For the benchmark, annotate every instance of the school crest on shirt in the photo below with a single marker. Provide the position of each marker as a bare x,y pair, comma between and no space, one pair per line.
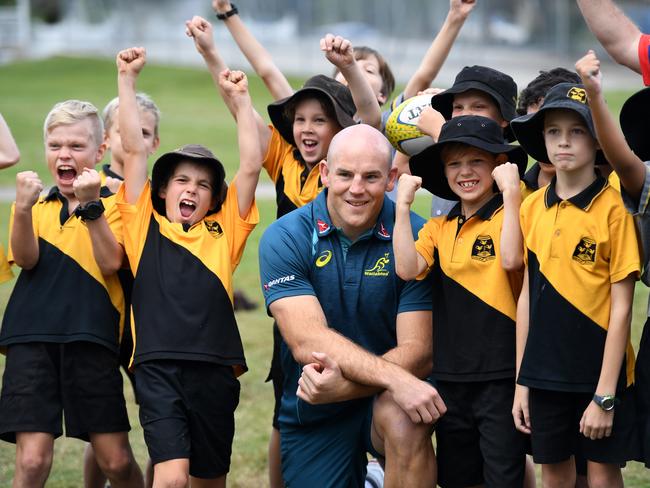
483,249
577,94
585,251
214,228
379,269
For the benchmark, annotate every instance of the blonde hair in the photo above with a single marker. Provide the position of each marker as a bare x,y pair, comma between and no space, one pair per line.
145,103
73,111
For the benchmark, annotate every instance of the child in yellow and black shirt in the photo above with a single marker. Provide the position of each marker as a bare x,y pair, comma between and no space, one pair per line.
474,296
575,361
63,322
184,241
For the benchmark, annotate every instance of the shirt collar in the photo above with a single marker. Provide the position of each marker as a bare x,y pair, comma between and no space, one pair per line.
55,193
383,228
583,200
109,172
486,212
531,177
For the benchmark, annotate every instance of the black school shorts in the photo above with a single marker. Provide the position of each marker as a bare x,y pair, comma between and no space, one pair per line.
43,380
187,412
477,442
555,421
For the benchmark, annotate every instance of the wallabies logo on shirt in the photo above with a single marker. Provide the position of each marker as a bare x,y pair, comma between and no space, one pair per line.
483,249
577,94
379,268
214,228
585,252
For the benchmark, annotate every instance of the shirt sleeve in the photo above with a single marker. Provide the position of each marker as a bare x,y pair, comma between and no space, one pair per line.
426,242
135,222
5,269
114,219
276,154
284,264
236,229
644,58
624,255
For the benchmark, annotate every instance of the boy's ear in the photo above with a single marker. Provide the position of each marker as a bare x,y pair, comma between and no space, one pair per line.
162,193
156,144
501,158
99,155
382,98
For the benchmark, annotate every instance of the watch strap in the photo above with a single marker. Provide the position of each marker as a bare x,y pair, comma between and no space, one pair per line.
233,11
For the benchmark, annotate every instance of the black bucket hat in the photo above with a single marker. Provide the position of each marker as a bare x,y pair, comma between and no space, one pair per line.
529,128
633,119
501,87
165,164
473,130
337,93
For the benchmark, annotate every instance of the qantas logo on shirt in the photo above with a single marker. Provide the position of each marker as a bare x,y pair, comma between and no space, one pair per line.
322,226
379,268
277,281
214,228
382,231
585,251
323,259
483,249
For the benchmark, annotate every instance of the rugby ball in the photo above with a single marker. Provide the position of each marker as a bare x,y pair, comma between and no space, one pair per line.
402,129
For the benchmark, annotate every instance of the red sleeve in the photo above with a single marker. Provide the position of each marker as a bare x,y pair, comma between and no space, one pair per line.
644,58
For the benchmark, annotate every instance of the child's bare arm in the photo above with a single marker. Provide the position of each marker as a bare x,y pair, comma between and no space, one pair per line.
129,64
408,262
506,177
234,85
9,153
596,423
430,122
24,245
520,411
259,58
437,53
627,165
200,30
108,253
339,52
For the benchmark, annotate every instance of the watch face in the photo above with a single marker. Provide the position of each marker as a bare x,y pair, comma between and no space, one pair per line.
607,403
94,210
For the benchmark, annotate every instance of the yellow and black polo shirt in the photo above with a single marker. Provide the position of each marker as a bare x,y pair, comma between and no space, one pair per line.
5,268
106,171
182,301
474,298
65,297
574,249
295,184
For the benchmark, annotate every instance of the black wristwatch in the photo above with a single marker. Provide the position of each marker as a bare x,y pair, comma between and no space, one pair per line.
233,11
90,211
606,402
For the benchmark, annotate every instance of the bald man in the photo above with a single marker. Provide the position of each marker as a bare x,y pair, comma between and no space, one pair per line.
356,338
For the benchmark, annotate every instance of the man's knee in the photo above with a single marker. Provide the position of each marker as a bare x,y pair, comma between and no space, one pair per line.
172,474
113,455
396,428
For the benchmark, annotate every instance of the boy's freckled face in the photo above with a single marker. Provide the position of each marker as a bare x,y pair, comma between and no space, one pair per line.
569,144
476,102
469,173
68,150
188,193
114,142
313,131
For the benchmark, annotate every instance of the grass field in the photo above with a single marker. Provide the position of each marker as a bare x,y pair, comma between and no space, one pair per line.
192,112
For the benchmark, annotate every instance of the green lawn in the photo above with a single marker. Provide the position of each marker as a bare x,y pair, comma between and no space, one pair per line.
192,112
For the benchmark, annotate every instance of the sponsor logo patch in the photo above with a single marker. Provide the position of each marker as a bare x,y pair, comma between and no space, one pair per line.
277,281
323,259
483,249
322,226
382,231
379,269
585,251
